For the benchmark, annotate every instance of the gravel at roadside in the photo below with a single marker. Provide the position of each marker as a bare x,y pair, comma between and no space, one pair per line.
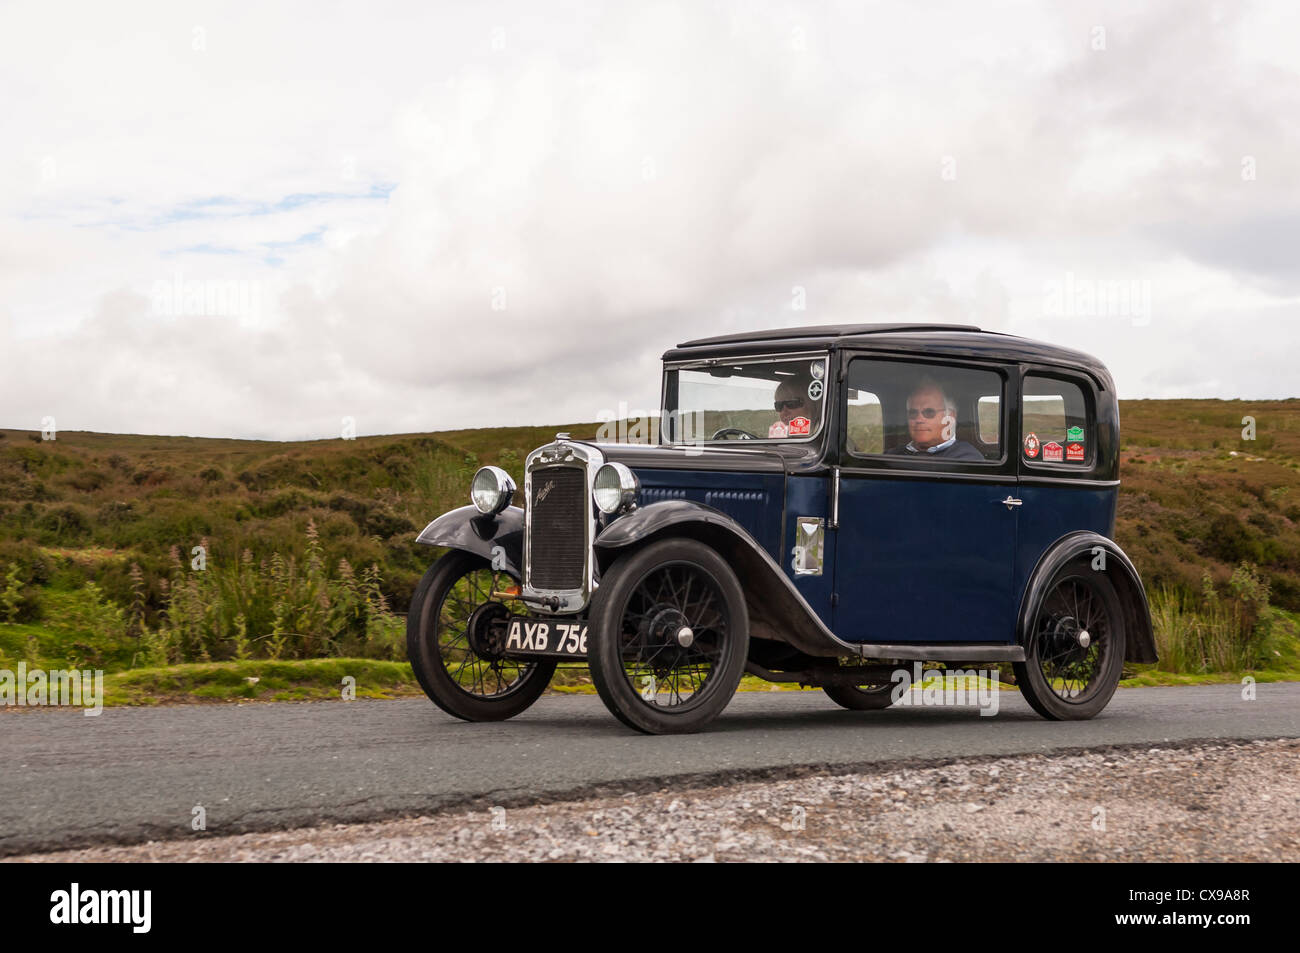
1219,801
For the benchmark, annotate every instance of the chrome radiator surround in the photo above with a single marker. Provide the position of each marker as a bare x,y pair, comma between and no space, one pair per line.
561,453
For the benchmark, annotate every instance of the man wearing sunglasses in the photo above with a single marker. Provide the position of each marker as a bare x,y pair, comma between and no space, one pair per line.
798,413
932,425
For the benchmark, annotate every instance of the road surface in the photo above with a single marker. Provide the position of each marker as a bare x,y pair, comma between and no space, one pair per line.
137,774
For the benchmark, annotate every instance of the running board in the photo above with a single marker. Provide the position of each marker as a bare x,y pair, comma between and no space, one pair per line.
943,652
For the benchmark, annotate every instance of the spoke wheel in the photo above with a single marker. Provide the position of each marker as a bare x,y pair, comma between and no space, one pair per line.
867,697
450,641
1074,653
860,698
670,634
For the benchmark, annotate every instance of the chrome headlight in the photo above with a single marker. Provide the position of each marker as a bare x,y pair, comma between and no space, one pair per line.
491,490
614,488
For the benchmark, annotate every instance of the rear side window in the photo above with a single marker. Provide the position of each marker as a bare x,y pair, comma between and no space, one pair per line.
1055,425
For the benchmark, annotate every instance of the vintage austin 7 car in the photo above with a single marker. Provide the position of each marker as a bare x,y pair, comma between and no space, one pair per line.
822,505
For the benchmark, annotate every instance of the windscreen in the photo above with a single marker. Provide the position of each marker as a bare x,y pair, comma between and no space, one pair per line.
771,400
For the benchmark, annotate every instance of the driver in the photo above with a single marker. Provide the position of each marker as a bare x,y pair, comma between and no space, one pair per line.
798,413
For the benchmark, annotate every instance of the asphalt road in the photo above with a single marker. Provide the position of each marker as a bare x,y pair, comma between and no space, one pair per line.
136,774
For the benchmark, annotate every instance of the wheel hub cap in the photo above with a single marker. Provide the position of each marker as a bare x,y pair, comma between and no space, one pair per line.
1069,639
666,624
480,636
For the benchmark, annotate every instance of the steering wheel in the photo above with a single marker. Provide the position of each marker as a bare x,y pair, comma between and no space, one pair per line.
744,434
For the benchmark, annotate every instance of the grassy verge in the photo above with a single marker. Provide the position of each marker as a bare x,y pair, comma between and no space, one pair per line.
322,680
1178,625
309,680
1154,677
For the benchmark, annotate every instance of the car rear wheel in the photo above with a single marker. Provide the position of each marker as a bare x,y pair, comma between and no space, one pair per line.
669,635
860,698
450,644
1074,652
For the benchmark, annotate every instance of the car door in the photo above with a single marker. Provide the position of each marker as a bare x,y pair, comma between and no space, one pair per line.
925,542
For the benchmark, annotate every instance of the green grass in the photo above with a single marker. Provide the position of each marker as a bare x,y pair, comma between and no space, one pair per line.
322,680
251,681
1157,678
32,643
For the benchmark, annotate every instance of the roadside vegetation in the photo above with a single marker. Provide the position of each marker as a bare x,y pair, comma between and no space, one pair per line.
185,567
1212,520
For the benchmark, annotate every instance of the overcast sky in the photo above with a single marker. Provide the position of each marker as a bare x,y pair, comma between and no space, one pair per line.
427,216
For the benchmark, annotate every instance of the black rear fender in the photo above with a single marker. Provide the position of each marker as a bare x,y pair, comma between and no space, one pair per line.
1103,555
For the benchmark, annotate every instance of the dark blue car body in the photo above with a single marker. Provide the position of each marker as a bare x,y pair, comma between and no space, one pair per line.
897,525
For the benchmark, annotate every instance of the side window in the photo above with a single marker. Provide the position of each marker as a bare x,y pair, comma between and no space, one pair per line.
924,412
865,422
990,419
1054,423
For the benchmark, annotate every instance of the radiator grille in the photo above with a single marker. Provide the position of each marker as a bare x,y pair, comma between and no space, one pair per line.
557,541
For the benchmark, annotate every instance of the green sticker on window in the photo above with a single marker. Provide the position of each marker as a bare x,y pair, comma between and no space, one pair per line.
1074,433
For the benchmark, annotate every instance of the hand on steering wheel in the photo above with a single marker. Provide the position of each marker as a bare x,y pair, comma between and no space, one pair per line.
744,434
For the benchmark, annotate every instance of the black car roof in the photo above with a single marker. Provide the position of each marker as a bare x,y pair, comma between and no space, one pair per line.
824,331
952,340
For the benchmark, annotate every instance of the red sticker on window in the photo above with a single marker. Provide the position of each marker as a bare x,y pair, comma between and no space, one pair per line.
1031,445
1052,452
1074,453
800,427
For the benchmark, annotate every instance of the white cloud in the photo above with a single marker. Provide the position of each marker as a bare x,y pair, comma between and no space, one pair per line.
630,179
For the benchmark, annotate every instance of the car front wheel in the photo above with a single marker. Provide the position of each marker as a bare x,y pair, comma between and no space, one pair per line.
670,632
449,640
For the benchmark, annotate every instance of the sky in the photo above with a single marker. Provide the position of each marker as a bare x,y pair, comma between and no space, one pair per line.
256,220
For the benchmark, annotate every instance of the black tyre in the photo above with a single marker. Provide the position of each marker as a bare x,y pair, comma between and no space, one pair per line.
669,633
1063,678
864,698
448,645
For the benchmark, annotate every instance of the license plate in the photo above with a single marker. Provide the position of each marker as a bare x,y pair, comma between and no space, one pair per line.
546,638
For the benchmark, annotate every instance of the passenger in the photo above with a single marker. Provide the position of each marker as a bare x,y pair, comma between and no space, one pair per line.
932,425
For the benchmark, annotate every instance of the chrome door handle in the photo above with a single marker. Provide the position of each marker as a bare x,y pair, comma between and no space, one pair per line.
1011,501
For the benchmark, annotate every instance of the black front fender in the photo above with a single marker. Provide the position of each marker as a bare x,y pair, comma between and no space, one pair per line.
499,538
1139,642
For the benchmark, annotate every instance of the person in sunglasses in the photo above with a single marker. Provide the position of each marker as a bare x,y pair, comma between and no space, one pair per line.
932,425
798,414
